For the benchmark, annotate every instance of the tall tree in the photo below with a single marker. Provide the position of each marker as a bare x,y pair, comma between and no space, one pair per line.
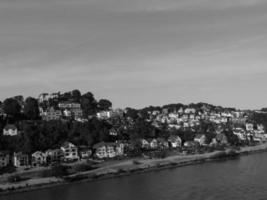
104,104
31,109
12,107
76,95
88,104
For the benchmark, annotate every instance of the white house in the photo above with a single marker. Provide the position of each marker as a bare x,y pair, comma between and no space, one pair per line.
201,139
153,143
249,127
10,130
107,150
38,158
20,160
175,141
70,152
144,144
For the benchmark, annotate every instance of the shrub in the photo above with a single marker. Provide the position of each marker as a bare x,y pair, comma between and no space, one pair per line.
59,171
136,162
14,179
8,169
82,167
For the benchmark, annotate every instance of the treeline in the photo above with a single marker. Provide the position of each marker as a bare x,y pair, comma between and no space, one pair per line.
132,125
197,106
17,108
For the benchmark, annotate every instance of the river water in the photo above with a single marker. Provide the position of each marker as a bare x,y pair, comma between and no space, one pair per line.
238,179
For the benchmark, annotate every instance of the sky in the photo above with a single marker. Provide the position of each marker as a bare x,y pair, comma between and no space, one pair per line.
137,52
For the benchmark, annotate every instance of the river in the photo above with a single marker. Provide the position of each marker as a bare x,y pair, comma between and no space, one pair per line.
238,179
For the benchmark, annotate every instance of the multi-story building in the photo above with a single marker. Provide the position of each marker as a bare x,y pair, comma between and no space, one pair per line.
70,152
4,159
52,114
38,159
20,159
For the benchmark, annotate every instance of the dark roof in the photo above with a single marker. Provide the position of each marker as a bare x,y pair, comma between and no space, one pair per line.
198,136
10,126
66,144
101,144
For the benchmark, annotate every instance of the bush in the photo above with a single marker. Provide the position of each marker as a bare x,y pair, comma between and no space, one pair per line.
59,171
14,179
82,167
136,162
8,169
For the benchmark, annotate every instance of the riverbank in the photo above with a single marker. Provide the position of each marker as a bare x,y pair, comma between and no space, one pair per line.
127,167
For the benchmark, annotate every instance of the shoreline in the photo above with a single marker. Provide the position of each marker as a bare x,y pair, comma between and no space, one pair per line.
128,167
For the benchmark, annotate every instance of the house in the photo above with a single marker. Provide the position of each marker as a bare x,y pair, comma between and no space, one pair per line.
165,111
85,152
4,159
113,132
70,152
221,139
77,113
174,141
260,128
69,105
111,151
105,114
120,146
249,127
201,139
2,113
10,130
240,133
153,143
190,111
20,159
100,150
38,159
190,144
144,144
53,155
43,97
181,111
67,113
105,150
52,114
259,137
162,143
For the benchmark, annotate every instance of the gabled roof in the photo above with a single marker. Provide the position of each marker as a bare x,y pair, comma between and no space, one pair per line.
67,145
4,153
52,151
162,140
101,144
37,153
174,138
10,126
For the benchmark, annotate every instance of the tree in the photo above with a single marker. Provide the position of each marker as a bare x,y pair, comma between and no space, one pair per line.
31,109
88,104
11,107
133,113
76,95
104,104
232,138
